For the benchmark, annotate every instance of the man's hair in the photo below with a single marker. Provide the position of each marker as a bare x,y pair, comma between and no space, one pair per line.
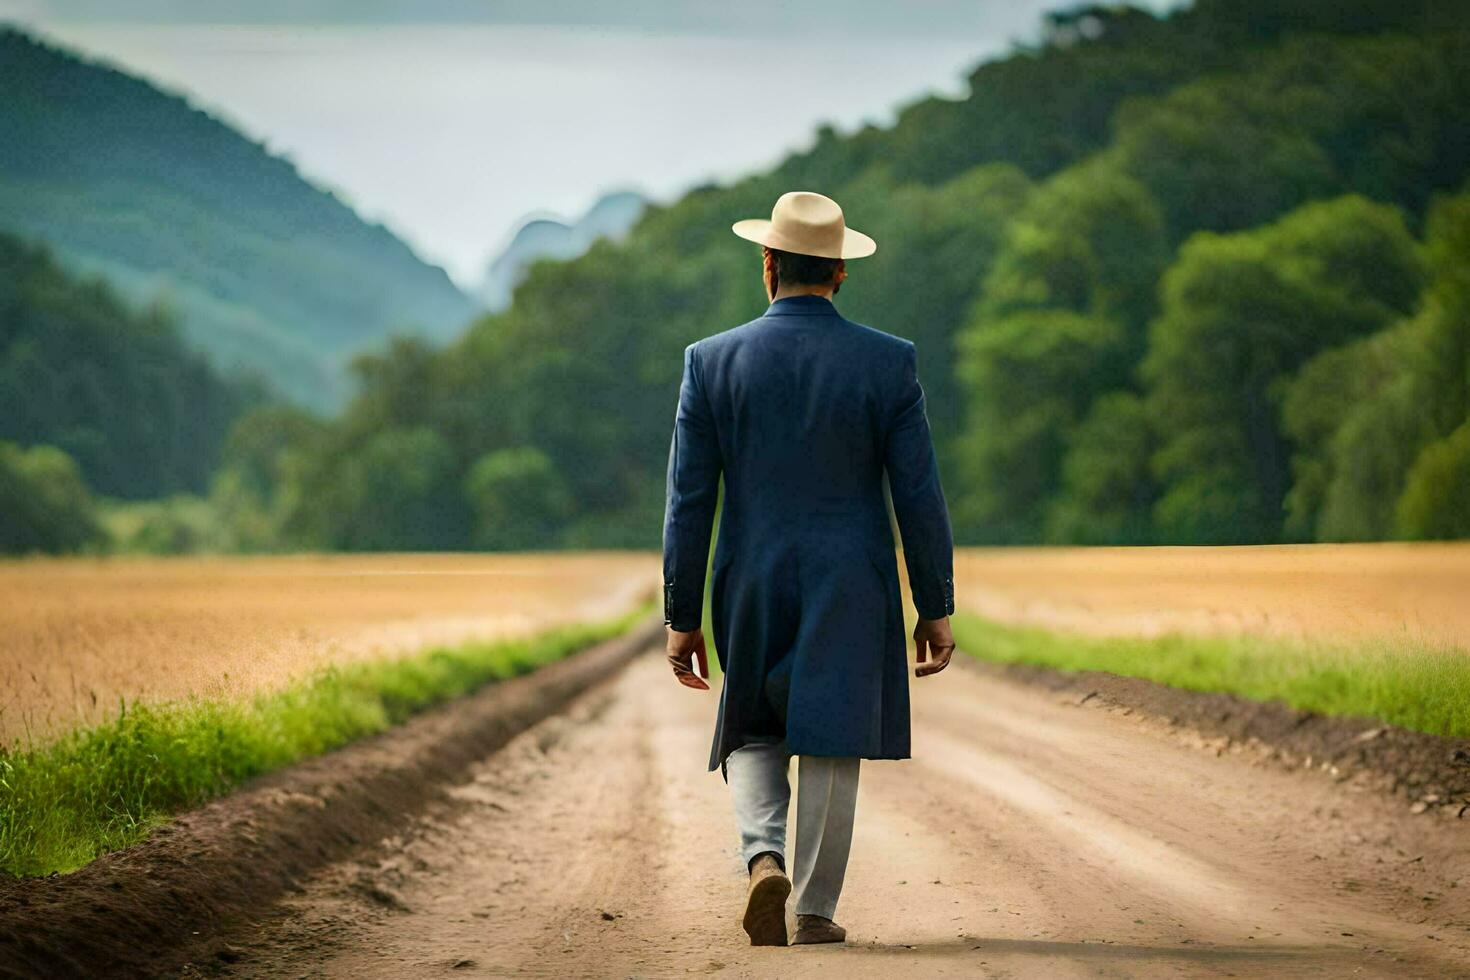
804,270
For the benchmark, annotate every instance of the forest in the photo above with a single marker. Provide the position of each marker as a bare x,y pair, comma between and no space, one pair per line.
103,399
1185,282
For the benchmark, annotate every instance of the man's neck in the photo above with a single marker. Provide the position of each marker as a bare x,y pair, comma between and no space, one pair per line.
786,292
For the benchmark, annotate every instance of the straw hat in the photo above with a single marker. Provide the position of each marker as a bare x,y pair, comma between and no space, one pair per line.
808,224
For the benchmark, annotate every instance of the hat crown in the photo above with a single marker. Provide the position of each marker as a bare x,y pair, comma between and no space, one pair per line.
811,219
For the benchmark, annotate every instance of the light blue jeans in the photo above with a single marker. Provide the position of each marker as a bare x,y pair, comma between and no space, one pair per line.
825,806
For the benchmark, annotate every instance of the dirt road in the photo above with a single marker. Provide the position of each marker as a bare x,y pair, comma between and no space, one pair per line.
1028,837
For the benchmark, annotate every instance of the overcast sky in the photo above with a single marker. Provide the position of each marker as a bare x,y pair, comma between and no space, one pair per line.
450,120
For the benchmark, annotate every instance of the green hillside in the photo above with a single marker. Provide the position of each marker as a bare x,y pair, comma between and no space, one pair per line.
1199,279
115,390
267,272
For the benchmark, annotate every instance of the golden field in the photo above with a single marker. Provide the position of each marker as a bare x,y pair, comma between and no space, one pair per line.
1417,593
77,635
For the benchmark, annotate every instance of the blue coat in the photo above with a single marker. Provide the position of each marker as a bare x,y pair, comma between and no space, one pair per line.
802,412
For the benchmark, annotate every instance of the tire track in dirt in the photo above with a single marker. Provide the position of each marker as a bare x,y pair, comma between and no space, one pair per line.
1243,844
1027,838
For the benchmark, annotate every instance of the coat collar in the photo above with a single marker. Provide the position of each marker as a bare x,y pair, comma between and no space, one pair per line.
806,305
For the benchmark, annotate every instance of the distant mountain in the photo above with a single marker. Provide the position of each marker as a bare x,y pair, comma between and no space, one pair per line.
613,216
268,273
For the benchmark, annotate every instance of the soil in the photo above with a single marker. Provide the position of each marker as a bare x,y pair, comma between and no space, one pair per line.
1038,831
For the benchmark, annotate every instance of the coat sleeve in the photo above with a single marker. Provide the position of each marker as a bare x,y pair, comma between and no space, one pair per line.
918,500
692,489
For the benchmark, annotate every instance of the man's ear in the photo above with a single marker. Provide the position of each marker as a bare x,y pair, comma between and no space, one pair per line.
839,275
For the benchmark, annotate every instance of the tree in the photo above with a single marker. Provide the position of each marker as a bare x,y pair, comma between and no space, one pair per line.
1363,416
1436,497
45,504
1310,117
518,499
1240,314
1059,321
255,491
1034,375
1091,239
399,493
1348,466
1107,491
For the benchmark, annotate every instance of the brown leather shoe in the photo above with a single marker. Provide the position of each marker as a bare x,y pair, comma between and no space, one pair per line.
815,929
765,903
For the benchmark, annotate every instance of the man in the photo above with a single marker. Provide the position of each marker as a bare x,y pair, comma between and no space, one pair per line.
802,412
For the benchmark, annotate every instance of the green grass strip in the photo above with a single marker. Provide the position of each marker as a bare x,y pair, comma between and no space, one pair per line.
1406,684
99,789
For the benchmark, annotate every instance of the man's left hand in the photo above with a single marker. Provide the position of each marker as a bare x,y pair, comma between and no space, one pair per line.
682,648
934,643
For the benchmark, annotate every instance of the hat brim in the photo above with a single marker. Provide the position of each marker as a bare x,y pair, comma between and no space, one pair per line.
855,245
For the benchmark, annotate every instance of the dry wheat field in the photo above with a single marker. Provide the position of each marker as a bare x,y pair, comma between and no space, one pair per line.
1416,593
76,635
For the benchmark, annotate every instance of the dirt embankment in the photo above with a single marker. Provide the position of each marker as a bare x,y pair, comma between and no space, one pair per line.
138,912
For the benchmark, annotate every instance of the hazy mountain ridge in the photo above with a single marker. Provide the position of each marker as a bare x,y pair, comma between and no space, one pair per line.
269,273
612,217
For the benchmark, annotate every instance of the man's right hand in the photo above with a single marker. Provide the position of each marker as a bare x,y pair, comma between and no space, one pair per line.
934,643
682,650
